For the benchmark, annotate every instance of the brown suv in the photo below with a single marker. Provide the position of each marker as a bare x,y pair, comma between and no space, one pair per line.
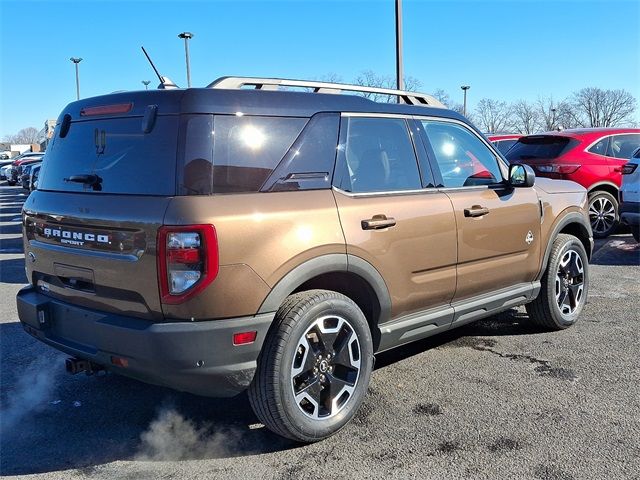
222,239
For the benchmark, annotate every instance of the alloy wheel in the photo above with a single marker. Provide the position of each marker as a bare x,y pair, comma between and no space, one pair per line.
325,367
602,214
569,282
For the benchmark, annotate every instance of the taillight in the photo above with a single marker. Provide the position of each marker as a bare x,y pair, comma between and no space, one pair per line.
187,261
628,168
563,169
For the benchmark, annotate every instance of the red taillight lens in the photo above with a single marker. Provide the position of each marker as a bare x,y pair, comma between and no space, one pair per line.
628,168
106,109
187,261
563,169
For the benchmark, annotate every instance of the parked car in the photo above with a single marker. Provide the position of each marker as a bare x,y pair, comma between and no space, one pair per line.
25,176
630,195
592,157
314,231
33,180
13,173
5,156
504,142
4,171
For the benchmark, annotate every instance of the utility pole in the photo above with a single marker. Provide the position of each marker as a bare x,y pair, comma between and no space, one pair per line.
146,84
76,61
464,102
186,36
399,79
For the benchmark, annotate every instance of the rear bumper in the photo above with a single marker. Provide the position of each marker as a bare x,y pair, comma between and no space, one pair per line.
630,213
167,354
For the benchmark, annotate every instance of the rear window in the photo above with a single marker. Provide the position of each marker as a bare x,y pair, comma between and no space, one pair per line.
547,147
127,160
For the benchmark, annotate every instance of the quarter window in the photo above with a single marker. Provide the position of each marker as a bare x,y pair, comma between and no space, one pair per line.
376,155
600,148
623,146
463,159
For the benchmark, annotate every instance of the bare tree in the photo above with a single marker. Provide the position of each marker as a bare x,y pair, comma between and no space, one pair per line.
597,107
493,116
368,78
27,135
554,115
443,97
524,117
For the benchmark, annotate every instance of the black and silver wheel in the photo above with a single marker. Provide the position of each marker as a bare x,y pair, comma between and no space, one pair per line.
564,285
314,368
603,213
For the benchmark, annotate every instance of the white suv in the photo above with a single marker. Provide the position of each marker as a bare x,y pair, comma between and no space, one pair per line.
630,195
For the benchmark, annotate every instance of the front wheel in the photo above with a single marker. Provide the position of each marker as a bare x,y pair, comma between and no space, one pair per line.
564,285
314,367
603,213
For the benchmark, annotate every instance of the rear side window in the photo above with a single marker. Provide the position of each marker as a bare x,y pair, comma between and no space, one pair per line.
232,154
623,146
504,145
127,160
600,147
376,155
462,158
540,146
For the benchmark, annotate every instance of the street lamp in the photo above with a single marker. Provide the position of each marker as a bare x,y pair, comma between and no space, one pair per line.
553,119
77,60
146,84
464,102
399,80
186,36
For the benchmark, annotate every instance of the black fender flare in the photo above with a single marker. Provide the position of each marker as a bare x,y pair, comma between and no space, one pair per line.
329,264
571,217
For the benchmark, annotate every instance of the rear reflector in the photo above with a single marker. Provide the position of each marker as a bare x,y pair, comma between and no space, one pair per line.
244,338
120,362
106,109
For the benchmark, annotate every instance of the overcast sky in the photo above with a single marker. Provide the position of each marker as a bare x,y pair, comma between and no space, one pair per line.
504,50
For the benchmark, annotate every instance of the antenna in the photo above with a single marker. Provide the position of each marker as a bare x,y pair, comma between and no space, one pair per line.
165,82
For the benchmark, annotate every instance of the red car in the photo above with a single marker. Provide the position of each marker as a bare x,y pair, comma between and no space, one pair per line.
504,142
592,157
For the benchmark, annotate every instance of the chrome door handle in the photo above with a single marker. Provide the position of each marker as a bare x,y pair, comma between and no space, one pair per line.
476,211
378,222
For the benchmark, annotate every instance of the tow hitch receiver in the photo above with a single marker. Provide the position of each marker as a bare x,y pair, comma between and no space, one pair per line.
77,365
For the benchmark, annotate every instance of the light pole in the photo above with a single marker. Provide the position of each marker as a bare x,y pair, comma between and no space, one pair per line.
464,102
399,80
186,36
146,84
553,119
77,60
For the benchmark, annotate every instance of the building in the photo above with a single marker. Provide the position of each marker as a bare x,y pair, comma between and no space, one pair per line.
46,134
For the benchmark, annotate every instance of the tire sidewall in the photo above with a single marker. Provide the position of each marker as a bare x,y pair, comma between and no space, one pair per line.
559,318
308,427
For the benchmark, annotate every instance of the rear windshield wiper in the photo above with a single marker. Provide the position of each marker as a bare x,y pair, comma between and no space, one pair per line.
88,179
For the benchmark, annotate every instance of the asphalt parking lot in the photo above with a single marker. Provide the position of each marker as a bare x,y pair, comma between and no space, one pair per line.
496,399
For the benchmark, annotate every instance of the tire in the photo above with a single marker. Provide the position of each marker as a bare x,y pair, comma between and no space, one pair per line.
300,393
545,310
635,231
603,213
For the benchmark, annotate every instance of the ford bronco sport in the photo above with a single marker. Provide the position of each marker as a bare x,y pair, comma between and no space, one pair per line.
222,239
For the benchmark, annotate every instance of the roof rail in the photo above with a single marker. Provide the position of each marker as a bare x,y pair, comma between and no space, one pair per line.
411,98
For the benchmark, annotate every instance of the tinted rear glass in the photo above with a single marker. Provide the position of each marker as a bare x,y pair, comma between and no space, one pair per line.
232,154
127,160
547,147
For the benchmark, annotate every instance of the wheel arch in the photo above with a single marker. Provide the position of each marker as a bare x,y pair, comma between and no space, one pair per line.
608,187
346,274
572,223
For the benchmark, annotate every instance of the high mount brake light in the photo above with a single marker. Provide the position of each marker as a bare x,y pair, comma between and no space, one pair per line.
187,261
106,109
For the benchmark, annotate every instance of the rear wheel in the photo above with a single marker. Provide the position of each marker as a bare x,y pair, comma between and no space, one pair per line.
603,213
314,367
564,285
635,231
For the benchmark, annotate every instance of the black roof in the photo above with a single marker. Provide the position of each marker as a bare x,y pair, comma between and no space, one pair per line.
250,102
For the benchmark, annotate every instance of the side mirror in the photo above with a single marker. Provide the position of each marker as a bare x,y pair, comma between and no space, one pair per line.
521,176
